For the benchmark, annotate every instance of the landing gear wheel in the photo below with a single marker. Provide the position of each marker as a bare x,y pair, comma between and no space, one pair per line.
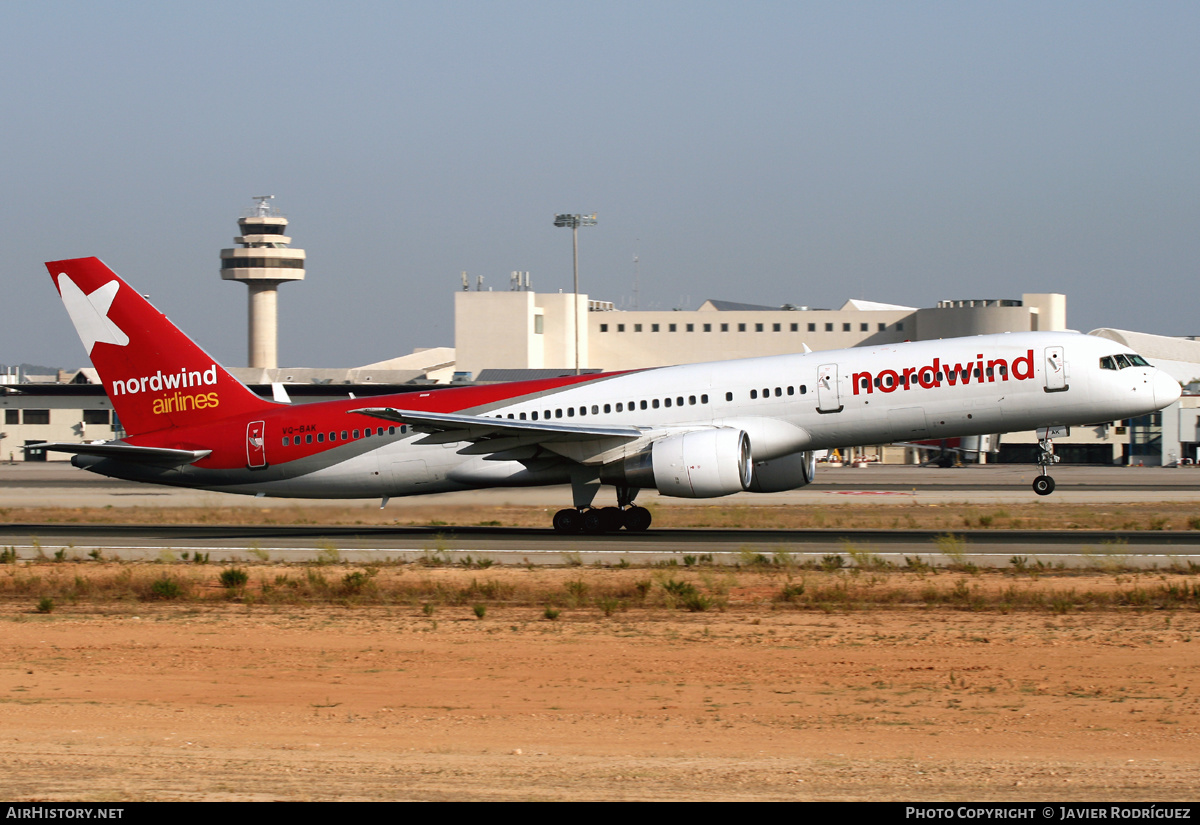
613,519
568,521
1043,485
637,519
594,521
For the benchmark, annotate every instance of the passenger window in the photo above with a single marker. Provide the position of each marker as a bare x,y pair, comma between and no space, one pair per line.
356,433
620,407
558,413
753,394
668,402
522,416
533,415
692,400
308,439
392,430
607,408
333,436
704,399
643,405
345,435
654,403
596,409
320,438
286,440
803,389
778,392
728,396
791,390
570,412
679,401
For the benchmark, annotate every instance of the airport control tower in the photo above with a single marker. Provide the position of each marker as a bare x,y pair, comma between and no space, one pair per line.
262,262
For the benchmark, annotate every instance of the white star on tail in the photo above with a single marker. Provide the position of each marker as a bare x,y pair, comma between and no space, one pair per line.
89,313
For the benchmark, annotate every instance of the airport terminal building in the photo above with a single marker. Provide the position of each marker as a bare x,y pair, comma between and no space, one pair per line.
535,331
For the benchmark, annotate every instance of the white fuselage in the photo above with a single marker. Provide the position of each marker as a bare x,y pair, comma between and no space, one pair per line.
786,404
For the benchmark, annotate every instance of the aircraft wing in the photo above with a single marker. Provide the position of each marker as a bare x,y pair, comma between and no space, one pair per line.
506,438
124,452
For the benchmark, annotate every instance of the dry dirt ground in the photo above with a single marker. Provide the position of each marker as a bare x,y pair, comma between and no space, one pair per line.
209,699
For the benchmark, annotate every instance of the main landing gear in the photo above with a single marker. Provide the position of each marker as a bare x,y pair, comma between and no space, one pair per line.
1043,485
587,519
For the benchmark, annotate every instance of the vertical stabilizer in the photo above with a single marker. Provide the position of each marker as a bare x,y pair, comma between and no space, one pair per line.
156,376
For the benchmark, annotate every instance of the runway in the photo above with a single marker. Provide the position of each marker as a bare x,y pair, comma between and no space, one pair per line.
985,548
58,484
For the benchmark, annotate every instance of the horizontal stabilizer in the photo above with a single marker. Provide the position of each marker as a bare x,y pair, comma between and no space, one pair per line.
124,452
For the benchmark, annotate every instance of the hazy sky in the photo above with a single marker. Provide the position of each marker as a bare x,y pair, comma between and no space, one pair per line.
762,152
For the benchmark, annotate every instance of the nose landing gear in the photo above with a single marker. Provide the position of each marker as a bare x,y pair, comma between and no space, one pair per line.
1043,485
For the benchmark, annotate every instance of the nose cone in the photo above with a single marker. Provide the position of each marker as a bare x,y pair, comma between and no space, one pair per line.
1166,390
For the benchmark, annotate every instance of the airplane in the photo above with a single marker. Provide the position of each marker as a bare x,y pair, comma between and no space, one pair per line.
692,431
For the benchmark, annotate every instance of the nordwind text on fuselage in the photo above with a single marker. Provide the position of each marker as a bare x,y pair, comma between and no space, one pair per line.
934,375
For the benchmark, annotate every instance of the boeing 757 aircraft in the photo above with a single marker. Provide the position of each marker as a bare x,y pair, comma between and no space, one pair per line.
694,431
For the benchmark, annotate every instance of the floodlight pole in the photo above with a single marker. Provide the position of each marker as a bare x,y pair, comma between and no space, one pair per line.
574,222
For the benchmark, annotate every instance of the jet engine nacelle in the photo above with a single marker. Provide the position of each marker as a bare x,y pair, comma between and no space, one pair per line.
698,464
787,472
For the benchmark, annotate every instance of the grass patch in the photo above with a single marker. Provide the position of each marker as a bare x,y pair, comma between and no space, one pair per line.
544,592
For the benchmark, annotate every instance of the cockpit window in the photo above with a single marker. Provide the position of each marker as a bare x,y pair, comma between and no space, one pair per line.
1122,360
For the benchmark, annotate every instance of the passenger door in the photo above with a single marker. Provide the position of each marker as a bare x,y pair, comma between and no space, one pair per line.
256,447
1056,370
829,399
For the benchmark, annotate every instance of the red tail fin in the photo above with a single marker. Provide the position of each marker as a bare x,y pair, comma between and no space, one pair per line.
155,375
